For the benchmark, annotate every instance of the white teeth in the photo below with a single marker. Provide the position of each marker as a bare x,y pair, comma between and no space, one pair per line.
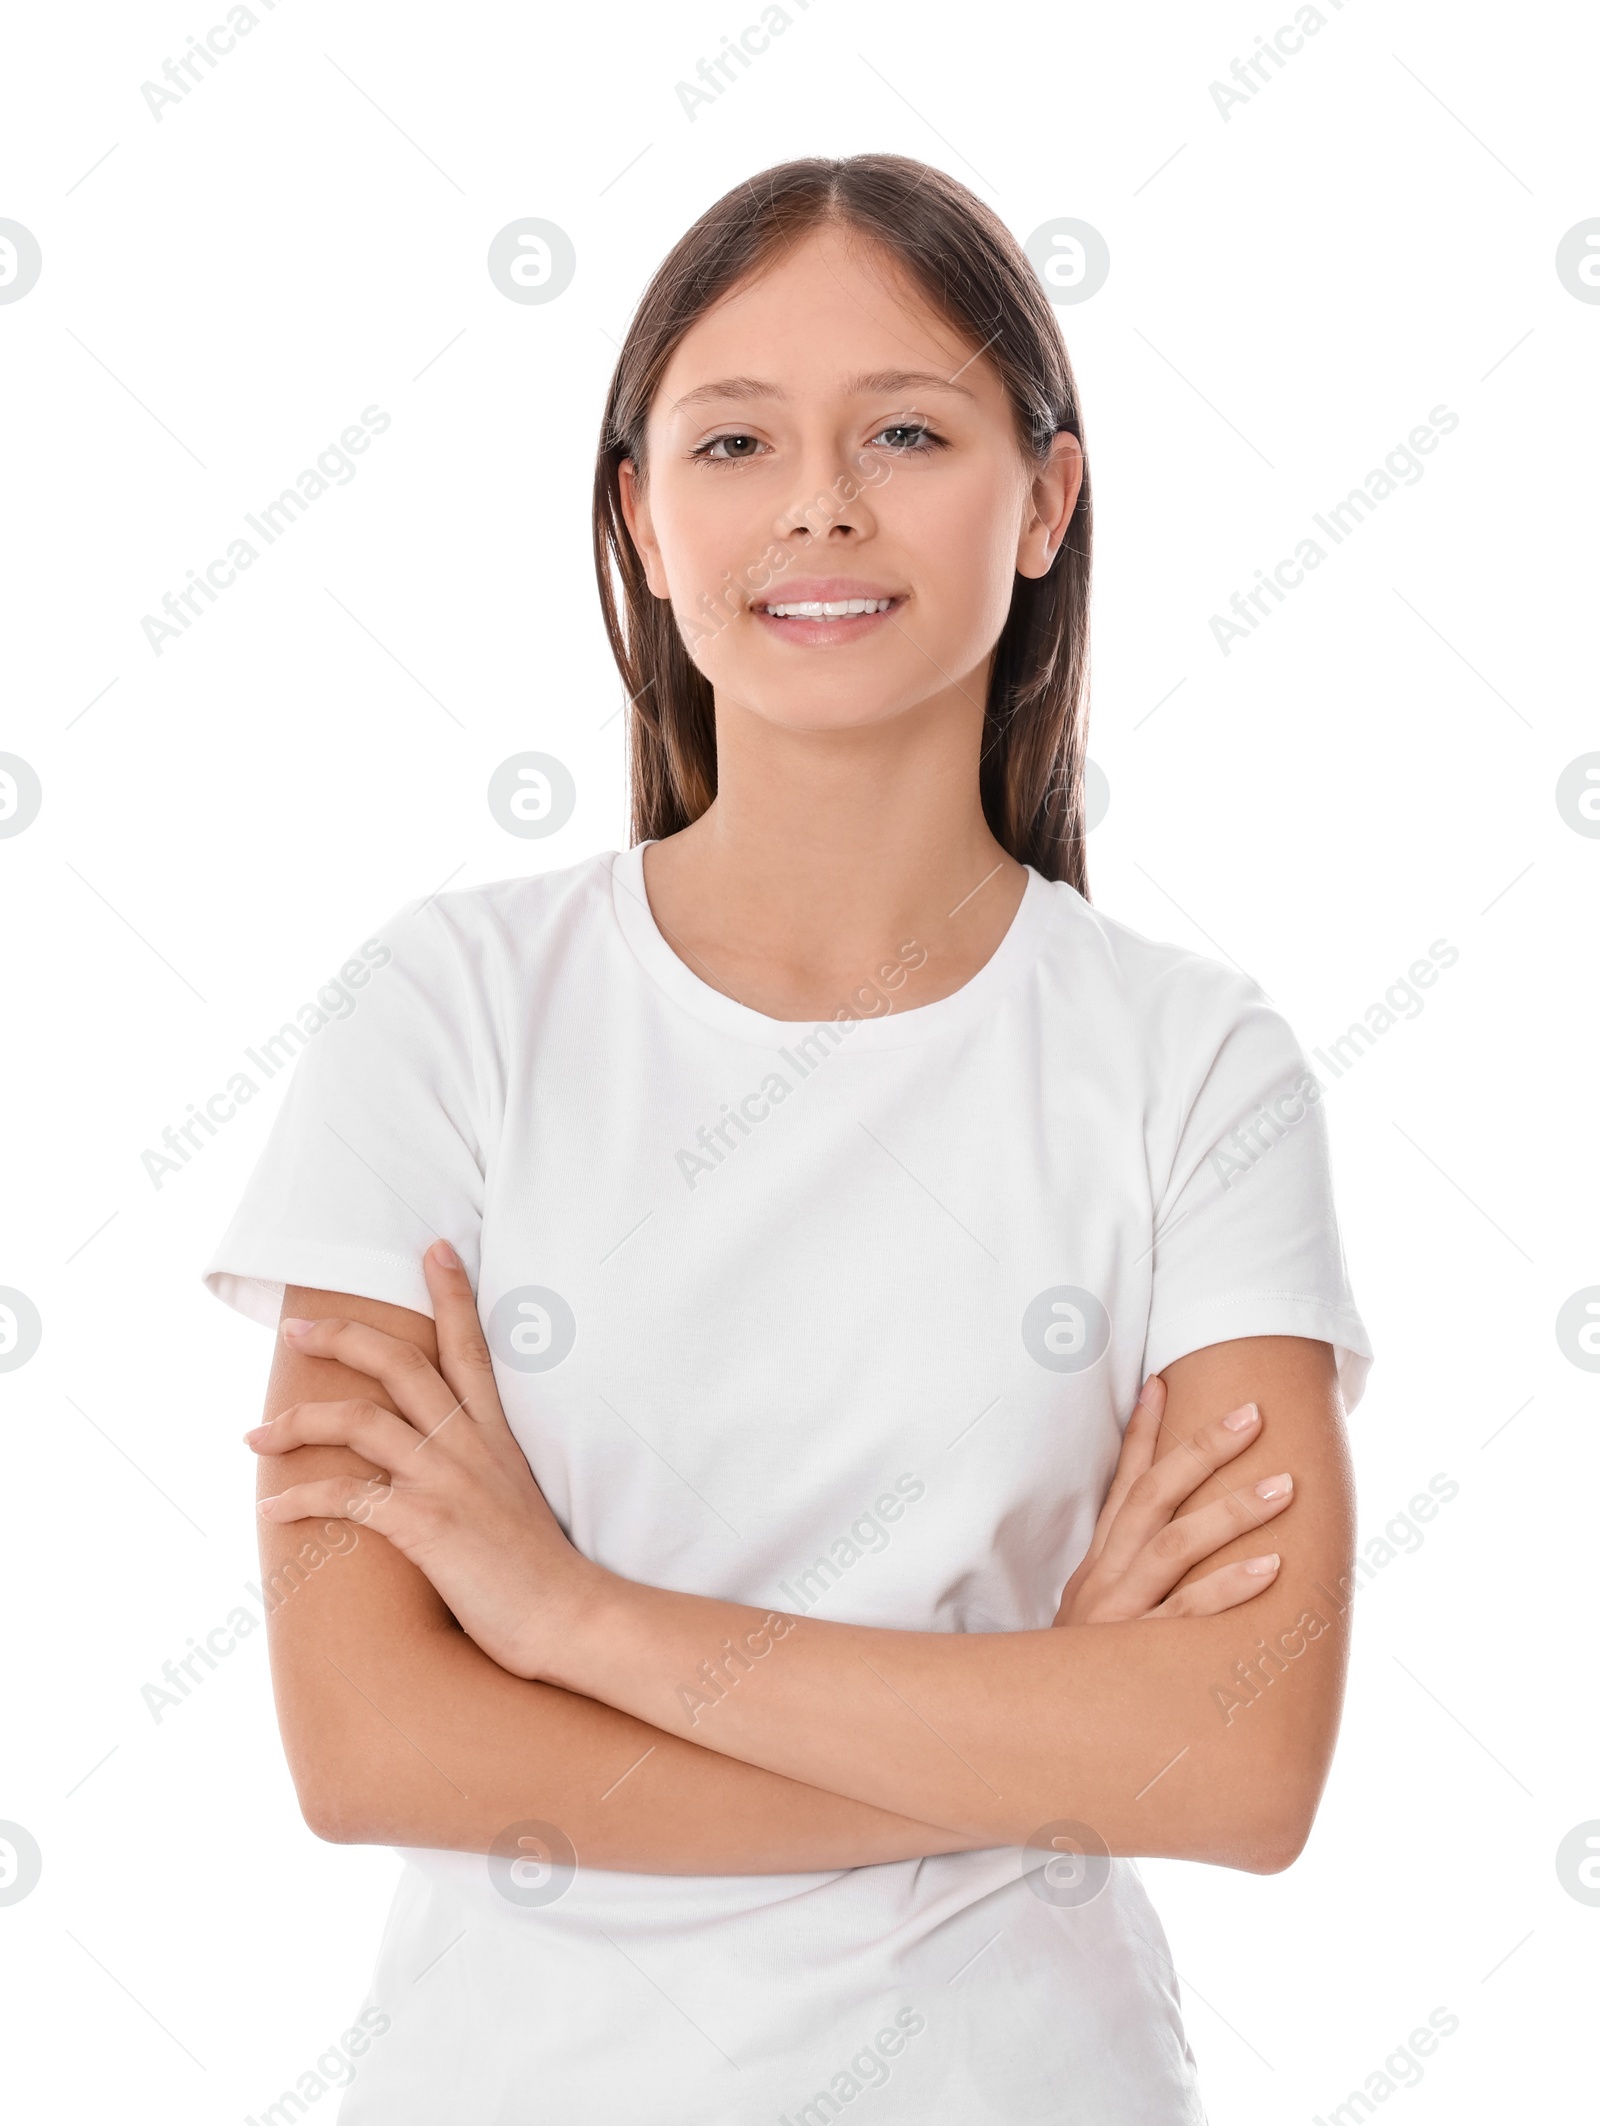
830,609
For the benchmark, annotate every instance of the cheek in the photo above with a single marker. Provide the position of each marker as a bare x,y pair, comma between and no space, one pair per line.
692,552
960,540
712,548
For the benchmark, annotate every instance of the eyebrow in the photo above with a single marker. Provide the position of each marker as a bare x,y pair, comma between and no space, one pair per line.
872,384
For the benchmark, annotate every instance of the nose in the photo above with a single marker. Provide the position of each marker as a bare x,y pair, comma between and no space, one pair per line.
831,499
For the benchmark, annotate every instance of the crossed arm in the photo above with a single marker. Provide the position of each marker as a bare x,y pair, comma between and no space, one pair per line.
670,1733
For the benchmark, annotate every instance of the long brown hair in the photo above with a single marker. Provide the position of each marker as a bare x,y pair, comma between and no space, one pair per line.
976,275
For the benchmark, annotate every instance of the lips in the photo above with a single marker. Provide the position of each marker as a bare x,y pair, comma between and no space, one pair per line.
816,610
809,590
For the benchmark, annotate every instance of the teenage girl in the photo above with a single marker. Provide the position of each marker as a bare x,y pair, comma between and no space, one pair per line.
807,1425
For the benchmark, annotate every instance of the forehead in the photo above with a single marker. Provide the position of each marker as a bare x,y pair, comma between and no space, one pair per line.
836,315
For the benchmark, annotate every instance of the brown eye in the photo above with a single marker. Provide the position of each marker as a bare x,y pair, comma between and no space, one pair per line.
738,446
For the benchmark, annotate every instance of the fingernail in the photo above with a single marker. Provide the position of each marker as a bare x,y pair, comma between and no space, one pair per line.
1239,1420
263,1504
1151,1389
257,1432
1274,1487
445,1255
293,1325
1262,1566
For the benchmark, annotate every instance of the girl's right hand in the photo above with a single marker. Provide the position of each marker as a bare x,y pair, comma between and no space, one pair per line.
1143,1546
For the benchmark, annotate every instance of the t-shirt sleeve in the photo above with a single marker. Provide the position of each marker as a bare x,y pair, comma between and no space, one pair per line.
1246,1238
378,1148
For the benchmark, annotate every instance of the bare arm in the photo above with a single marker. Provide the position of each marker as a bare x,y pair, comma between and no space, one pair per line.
1197,1737
400,1730
1130,1726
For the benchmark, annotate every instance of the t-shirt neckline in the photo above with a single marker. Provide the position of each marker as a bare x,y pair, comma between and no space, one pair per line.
1016,952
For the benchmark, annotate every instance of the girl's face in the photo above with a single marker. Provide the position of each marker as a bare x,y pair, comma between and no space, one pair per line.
821,436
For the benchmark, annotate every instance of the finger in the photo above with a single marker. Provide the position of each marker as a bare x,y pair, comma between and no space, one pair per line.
1139,1441
330,1498
1193,1537
1154,1497
1137,1454
417,1390
1223,1589
385,1440
463,1354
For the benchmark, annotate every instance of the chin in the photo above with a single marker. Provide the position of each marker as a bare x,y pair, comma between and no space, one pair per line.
810,715
793,704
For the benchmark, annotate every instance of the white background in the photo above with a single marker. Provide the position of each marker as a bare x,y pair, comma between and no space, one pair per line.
1292,289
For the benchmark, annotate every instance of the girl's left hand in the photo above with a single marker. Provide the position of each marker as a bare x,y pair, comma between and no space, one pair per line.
456,1495
1143,1545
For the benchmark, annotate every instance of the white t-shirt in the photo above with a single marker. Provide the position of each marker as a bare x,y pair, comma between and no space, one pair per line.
842,1319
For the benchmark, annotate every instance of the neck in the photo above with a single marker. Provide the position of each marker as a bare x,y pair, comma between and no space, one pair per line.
825,851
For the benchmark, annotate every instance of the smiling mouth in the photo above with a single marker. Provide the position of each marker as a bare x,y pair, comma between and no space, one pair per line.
824,621
826,608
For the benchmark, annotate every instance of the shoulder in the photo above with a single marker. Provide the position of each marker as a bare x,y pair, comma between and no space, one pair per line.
509,922
452,979
1154,990
1182,1035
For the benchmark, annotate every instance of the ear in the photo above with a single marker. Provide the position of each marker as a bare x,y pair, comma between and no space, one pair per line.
1052,497
636,515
